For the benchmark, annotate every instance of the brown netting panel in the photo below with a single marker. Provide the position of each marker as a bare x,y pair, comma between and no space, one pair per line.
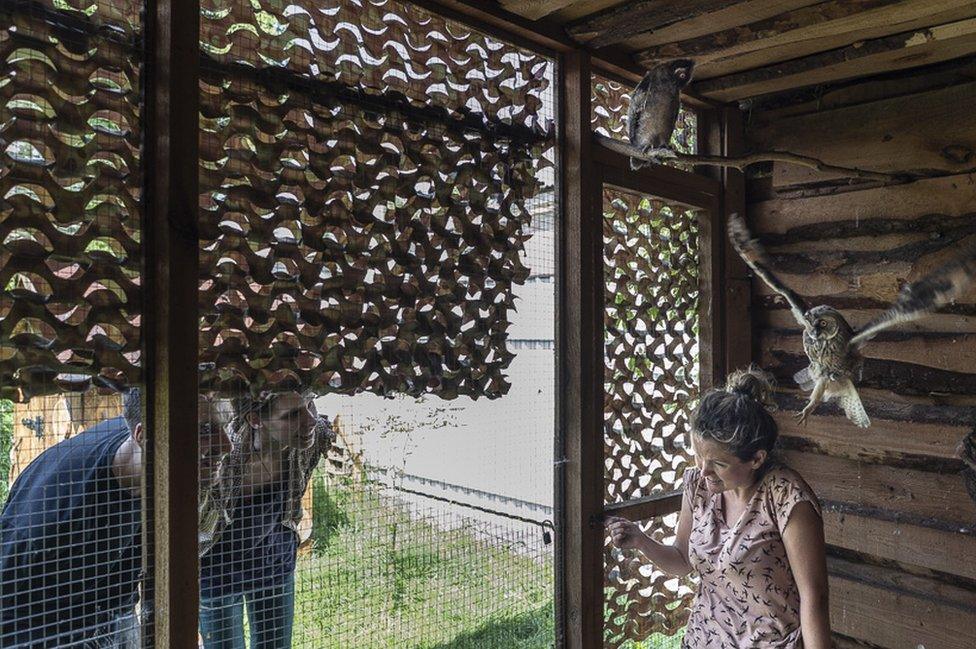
382,46
610,101
363,197
69,196
651,348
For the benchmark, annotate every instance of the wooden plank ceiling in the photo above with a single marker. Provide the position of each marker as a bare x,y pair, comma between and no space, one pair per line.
750,48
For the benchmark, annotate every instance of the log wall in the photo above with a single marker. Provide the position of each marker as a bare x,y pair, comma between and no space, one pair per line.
900,525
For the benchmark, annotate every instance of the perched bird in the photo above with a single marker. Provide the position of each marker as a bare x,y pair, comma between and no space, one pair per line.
830,343
654,108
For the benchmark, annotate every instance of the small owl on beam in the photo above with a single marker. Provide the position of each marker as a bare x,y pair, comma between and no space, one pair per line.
830,343
654,106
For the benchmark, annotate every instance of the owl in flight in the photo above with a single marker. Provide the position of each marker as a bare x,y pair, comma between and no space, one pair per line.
654,108
830,343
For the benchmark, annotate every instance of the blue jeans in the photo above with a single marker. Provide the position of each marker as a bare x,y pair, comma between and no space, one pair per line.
270,613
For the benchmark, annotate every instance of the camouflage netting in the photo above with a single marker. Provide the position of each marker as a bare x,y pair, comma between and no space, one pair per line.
70,186
651,383
364,172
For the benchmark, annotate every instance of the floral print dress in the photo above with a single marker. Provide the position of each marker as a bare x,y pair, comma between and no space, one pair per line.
747,597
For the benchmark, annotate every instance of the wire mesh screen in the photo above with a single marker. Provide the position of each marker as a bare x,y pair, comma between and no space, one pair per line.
651,267
376,229
70,262
610,101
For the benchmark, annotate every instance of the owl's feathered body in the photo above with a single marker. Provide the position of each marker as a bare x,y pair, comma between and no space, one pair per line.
654,106
830,343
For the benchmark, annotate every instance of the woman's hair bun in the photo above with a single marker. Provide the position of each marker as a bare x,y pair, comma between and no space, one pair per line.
753,383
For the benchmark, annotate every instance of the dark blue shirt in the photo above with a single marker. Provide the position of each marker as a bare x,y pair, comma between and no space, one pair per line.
70,547
255,551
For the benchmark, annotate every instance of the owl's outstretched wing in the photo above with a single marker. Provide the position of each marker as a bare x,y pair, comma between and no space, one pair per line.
755,257
923,296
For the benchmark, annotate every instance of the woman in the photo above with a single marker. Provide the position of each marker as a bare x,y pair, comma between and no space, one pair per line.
750,528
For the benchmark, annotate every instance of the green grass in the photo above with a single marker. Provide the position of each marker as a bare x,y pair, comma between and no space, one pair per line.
6,440
377,578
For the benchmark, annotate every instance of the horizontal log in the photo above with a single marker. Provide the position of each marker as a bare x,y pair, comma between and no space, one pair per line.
769,312
735,14
887,404
949,352
874,275
903,378
535,9
619,23
952,553
641,509
891,609
873,234
927,133
948,195
810,23
920,497
884,442
844,642
885,20
792,103
899,51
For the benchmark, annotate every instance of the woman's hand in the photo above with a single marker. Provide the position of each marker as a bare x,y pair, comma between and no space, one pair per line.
625,534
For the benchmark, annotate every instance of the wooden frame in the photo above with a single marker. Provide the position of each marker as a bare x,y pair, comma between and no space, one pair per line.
170,322
585,168
171,315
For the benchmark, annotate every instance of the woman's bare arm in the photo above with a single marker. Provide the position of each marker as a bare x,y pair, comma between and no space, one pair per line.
672,559
805,549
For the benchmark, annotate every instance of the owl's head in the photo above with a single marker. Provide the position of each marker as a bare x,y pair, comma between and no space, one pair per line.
827,323
681,70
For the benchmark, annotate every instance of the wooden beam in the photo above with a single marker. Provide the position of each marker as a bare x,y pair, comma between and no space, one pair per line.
948,552
886,441
535,9
924,498
948,195
661,180
170,322
909,15
811,23
544,36
738,283
580,341
736,14
889,608
642,509
897,52
926,133
617,24
832,96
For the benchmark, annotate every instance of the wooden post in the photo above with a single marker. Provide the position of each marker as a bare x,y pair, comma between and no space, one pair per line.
711,247
738,292
170,321
579,496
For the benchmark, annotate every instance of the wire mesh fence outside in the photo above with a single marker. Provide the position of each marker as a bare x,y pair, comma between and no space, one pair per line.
376,208
310,174
436,516
71,203
651,383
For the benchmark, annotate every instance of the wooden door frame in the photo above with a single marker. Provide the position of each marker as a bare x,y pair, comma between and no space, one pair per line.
170,323
584,168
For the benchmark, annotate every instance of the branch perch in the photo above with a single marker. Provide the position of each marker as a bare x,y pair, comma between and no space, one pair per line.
742,162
